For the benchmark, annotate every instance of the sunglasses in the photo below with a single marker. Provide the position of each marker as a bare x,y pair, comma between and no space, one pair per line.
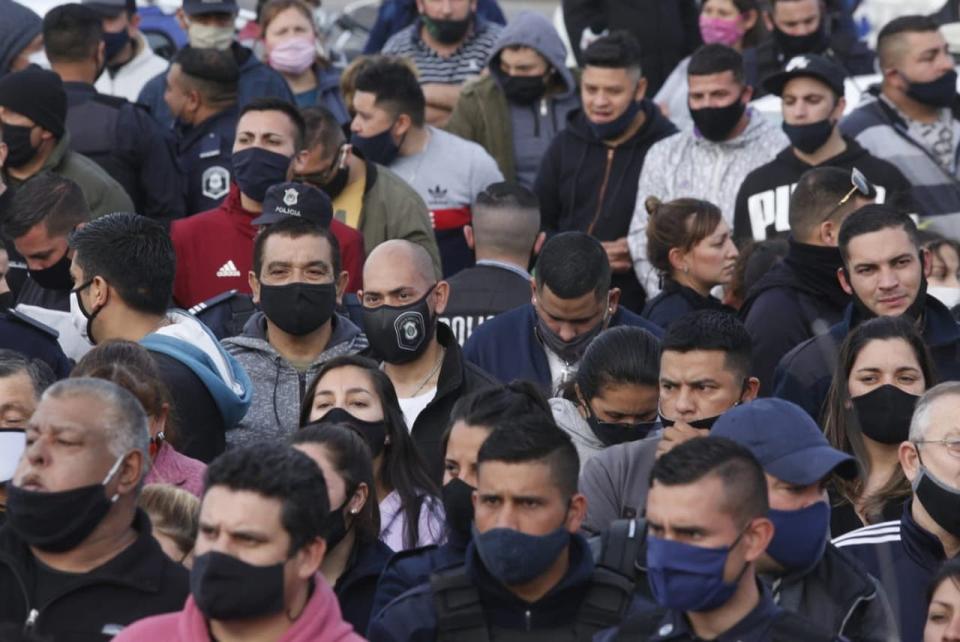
859,185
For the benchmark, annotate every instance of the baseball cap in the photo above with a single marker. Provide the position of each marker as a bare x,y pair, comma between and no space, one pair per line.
295,199
12,445
111,8
196,7
785,440
811,66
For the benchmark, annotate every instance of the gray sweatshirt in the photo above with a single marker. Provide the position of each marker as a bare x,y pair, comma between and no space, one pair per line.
567,416
616,481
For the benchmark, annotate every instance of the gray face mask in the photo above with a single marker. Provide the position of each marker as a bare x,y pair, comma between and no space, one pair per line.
210,36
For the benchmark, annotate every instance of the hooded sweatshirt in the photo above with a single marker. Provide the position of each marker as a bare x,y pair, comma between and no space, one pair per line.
278,386
568,418
127,81
19,26
689,165
320,621
763,202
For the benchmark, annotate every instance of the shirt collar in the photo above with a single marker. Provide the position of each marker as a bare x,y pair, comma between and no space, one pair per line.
506,266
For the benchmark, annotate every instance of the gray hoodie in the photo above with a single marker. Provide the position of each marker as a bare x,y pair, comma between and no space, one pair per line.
568,417
278,387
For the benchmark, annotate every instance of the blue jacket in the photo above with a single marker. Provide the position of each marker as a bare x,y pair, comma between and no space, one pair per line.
256,81
804,374
34,340
507,346
904,557
675,301
356,588
395,15
328,94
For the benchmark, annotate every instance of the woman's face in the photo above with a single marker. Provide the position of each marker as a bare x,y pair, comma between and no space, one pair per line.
460,461
723,9
943,616
712,261
945,265
626,403
886,361
289,23
350,388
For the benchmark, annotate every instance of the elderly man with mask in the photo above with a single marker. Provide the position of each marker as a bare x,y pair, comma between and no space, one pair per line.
77,559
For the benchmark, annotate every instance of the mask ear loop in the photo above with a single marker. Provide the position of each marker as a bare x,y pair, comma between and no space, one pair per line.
113,471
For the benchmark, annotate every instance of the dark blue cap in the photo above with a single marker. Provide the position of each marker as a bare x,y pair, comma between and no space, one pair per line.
811,66
197,7
785,440
295,199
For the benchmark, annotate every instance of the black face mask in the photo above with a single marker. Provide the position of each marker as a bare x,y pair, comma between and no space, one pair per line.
56,277
298,308
458,505
616,127
400,334
815,42
612,434
884,413
699,424
523,90
448,32
941,501
59,521
334,526
716,123
227,588
936,93
373,432
335,186
19,149
256,169
810,137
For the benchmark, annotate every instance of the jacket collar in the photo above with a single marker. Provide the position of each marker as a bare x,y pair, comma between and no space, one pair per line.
187,135
451,370
939,326
78,92
920,545
752,628
367,560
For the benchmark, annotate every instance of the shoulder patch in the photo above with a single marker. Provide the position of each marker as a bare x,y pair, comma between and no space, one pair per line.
209,303
215,182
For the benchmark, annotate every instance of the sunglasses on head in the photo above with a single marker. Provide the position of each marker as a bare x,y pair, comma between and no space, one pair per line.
859,185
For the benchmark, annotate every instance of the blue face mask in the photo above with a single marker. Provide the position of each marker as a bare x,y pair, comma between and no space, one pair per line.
515,558
616,127
113,42
377,149
800,536
689,578
256,169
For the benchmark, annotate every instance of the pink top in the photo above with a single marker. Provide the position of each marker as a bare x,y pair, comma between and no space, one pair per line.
170,467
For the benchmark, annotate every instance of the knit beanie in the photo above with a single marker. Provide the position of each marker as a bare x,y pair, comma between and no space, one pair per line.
37,94
18,26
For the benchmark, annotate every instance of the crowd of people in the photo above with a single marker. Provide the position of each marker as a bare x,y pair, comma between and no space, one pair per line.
454,342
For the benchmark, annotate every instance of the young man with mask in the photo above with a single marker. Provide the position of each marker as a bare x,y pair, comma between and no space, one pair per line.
256,574
297,282
572,301
449,44
366,195
33,115
885,272
202,96
811,90
516,110
448,172
707,531
527,572
588,178
704,372
801,27
402,300
130,62
914,118
800,296
906,554
806,573
119,136
122,270
77,558
210,25
728,141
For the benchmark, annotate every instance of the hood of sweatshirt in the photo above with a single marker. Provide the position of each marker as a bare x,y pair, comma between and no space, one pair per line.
346,338
534,31
567,416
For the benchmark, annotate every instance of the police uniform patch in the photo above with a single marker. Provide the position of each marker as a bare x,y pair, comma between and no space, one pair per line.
215,182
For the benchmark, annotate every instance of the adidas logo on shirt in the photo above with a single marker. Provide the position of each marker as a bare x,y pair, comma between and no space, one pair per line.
228,270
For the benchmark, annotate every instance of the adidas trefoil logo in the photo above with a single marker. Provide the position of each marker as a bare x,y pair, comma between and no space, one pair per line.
228,270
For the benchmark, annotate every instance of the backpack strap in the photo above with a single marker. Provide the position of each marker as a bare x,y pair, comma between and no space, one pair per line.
460,614
642,626
605,603
621,545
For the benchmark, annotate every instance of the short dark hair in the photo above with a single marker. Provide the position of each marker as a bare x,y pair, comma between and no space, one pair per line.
281,105
213,73
716,59
71,33
890,36
322,130
13,363
50,198
873,218
277,471
618,50
572,264
534,438
818,191
396,87
620,355
507,194
712,330
295,227
134,254
744,484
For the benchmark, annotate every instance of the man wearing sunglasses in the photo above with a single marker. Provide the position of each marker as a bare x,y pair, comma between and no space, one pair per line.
811,89
905,554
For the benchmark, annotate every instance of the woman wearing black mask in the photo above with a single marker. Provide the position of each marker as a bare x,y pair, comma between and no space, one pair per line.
882,370
614,396
353,390
355,556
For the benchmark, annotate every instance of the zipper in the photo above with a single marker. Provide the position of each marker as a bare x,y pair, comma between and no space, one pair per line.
31,621
603,189
527,619
536,122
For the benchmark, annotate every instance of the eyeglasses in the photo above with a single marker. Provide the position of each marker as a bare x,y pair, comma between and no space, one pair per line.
952,445
859,184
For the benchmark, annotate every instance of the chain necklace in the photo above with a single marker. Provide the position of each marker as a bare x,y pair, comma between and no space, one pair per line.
436,368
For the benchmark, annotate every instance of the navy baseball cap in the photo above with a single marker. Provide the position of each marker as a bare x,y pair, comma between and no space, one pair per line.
785,440
196,7
295,199
810,66
111,8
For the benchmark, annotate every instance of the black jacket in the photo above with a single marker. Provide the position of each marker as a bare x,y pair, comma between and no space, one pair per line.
675,301
668,32
355,589
480,292
587,186
204,152
139,582
763,203
458,377
949,12
34,340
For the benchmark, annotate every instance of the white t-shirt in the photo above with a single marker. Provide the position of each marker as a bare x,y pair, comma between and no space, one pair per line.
413,406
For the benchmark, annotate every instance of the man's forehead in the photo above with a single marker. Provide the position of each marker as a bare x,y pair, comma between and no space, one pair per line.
712,82
606,75
694,363
796,9
918,42
238,509
17,387
806,86
880,245
944,420
304,249
72,412
585,303
268,121
526,478
698,503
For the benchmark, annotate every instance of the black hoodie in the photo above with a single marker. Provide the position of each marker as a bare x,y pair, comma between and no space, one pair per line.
763,202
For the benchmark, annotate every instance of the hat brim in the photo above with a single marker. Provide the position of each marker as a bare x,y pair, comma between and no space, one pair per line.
105,10
211,7
810,465
774,84
267,218
12,445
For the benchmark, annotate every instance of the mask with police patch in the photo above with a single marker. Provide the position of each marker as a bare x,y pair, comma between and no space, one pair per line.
400,334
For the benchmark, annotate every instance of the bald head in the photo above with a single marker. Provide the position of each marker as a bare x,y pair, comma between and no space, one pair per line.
506,221
398,264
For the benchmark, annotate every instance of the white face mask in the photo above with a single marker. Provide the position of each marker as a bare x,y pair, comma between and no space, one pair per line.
210,36
947,296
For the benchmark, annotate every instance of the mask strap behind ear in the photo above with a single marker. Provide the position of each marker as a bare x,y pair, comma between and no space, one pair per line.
111,473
